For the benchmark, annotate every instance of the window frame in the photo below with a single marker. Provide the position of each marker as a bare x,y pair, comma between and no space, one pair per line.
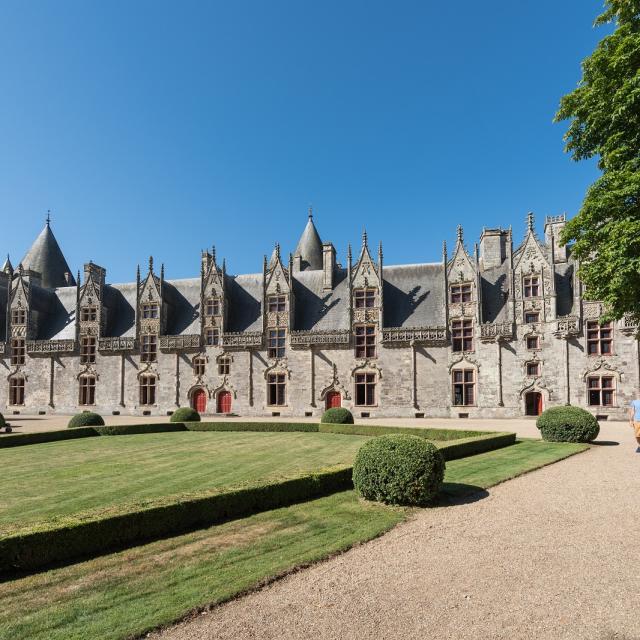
18,353
148,347
18,316
531,313
224,366
600,389
364,298
276,343
88,349
212,307
365,385
150,310
199,365
532,337
461,292
86,390
17,386
595,327
466,387
531,286
365,338
277,389
462,335
537,369
89,313
147,389
277,303
212,336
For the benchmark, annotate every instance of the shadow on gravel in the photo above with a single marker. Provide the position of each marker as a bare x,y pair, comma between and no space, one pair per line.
456,493
605,443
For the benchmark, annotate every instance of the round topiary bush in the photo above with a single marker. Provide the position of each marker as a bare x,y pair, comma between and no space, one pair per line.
3,422
337,415
568,424
398,469
185,414
86,419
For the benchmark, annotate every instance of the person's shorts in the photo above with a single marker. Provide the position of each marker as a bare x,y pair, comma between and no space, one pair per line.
636,428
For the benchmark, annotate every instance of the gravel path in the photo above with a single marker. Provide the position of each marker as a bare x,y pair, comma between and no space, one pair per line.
553,554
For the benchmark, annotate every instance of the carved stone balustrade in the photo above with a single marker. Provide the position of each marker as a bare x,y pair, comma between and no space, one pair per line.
116,344
2,347
629,324
366,315
242,340
35,347
311,338
567,326
491,331
180,343
431,336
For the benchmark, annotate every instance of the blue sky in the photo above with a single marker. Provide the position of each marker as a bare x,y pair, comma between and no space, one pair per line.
165,127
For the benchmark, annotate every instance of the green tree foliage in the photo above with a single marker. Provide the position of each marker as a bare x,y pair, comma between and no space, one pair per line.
604,111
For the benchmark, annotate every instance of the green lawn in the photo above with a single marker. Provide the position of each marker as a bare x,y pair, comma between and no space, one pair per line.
61,478
127,593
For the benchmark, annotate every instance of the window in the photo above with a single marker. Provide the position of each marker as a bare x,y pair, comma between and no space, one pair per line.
149,350
462,335
365,341
224,366
17,351
463,387
150,310
16,391
147,390
87,350
599,338
533,368
461,292
87,390
89,314
365,389
277,303
531,317
18,316
212,307
212,336
276,389
276,343
199,364
533,342
531,286
364,298
601,391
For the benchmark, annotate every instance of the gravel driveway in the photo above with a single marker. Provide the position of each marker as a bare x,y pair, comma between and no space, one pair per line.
553,554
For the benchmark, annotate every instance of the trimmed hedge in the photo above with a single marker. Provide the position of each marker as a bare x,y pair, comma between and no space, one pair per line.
254,426
133,429
20,439
473,446
86,419
398,469
62,540
337,415
3,422
185,414
375,430
568,424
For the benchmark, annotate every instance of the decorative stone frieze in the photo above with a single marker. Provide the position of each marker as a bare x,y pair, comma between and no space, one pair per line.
116,344
430,336
178,343
35,347
308,338
242,340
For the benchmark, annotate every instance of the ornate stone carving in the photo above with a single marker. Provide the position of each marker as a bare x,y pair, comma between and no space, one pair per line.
592,310
535,384
277,318
567,326
116,344
178,343
433,336
602,365
242,340
280,365
458,359
334,385
629,324
50,346
366,315
496,330
308,338
367,366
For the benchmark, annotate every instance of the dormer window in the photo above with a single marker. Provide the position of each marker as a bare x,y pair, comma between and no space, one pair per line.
364,298
18,316
531,286
212,307
277,304
150,310
89,314
461,292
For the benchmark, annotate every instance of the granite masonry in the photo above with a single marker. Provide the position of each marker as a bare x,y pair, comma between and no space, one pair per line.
499,332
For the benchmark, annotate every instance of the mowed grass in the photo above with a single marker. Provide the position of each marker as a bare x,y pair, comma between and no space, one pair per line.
61,478
125,594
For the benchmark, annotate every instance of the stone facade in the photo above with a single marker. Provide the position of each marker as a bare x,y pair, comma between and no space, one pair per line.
499,332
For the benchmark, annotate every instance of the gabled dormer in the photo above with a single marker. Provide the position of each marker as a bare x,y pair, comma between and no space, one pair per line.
91,314
213,299
534,280
19,318
278,304
151,312
462,282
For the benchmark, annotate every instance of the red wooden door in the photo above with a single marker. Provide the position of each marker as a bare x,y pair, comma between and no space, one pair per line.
199,400
533,401
539,405
224,402
334,400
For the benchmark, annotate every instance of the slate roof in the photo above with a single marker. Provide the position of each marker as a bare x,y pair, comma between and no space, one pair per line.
45,257
310,247
319,310
244,300
495,283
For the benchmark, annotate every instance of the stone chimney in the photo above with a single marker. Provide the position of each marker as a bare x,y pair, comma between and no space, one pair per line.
493,248
328,265
98,273
553,225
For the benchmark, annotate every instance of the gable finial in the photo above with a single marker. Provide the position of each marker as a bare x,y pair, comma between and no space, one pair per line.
48,217
349,252
277,251
530,221
150,264
365,241
380,249
444,247
310,212
162,271
460,233
213,253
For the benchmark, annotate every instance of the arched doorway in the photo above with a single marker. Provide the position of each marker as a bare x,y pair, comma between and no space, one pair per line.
333,399
224,402
533,403
199,400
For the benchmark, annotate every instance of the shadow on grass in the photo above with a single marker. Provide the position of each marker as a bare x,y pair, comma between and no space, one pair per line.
457,493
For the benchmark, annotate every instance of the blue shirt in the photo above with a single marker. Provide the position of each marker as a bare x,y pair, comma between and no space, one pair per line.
636,410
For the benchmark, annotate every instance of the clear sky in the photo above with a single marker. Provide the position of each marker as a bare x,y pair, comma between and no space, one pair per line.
166,127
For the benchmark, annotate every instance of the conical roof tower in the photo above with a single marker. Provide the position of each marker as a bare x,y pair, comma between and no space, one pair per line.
45,257
310,246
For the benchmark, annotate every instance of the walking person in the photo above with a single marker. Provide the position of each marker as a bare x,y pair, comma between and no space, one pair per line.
634,420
